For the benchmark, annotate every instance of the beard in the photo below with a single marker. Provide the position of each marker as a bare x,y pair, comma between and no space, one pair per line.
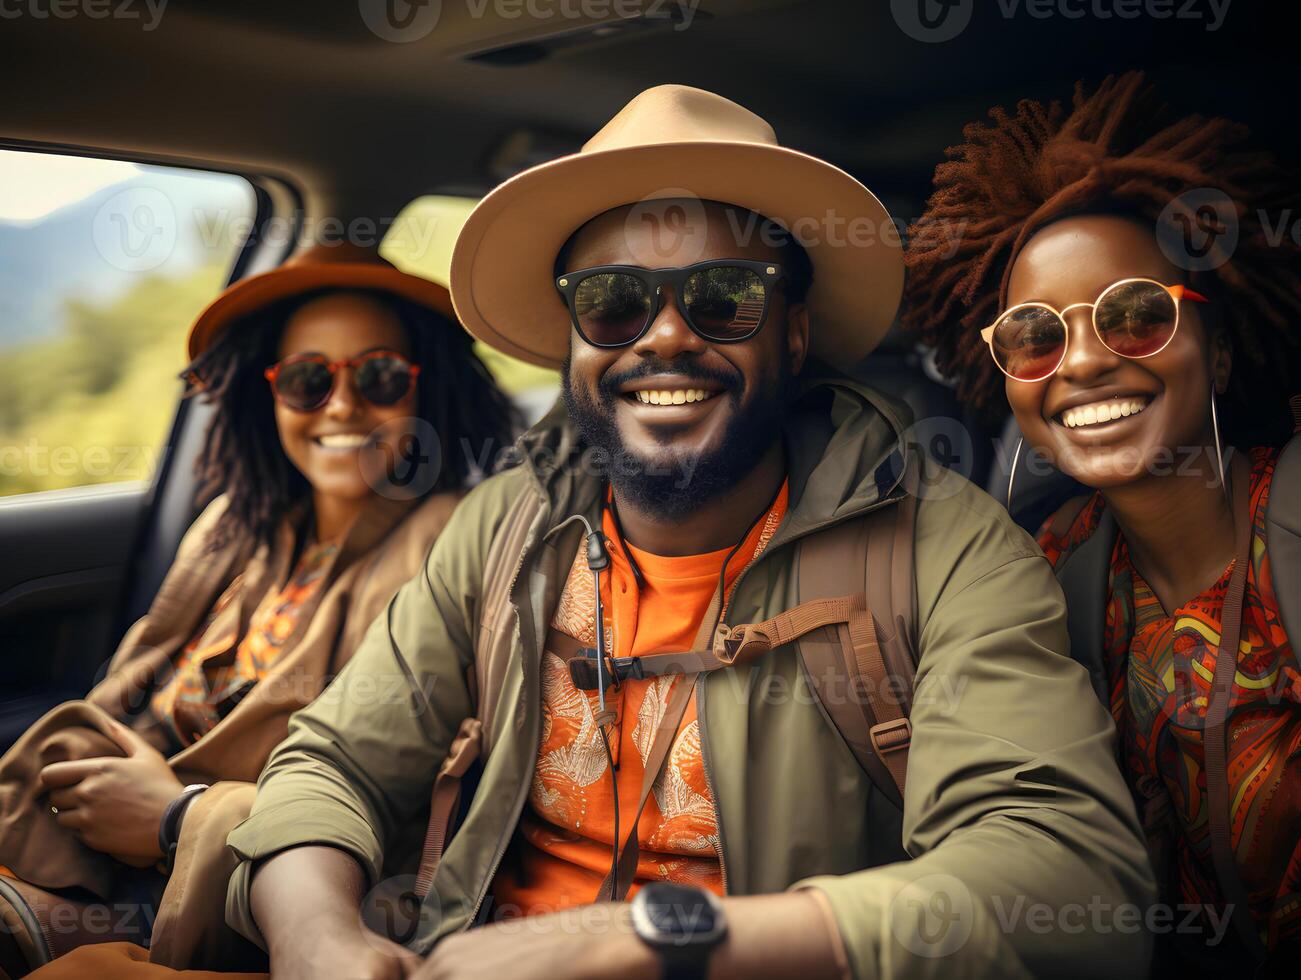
672,483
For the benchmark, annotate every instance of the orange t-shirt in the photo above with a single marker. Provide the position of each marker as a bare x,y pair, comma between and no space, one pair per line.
565,842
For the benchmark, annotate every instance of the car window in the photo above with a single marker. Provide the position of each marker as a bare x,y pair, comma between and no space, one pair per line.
103,266
420,242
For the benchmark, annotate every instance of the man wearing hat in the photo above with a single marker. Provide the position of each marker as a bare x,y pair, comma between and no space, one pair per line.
621,657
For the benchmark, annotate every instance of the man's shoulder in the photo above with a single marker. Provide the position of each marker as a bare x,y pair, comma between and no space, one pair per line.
491,498
464,543
962,533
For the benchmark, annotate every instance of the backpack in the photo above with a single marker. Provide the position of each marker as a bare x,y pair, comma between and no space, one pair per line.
1283,536
853,632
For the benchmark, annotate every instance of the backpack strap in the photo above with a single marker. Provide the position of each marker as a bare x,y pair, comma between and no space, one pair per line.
1283,536
492,648
484,679
1065,516
725,646
864,685
1215,736
893,598
1083,576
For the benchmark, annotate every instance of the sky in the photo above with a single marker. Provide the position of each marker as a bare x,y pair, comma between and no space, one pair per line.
33,185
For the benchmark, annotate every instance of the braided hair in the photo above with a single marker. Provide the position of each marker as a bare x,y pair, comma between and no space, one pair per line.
1114,151
242,455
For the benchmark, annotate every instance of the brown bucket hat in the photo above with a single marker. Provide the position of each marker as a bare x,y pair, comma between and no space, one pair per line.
676,142
337,266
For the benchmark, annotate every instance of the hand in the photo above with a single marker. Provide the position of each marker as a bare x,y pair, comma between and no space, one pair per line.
112,804
344,950
583,943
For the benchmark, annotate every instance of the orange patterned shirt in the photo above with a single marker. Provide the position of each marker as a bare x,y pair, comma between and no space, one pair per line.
211,678
1160,670
565,841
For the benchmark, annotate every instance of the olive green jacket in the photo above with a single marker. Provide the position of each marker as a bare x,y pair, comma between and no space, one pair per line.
1015,814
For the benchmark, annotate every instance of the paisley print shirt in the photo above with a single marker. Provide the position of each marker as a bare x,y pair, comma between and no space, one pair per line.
210,678
564,845
1160,669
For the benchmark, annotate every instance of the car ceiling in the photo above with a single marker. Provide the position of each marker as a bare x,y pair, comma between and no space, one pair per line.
362,125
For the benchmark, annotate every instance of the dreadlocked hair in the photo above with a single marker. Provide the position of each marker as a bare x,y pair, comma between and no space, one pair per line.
1114,152
242,455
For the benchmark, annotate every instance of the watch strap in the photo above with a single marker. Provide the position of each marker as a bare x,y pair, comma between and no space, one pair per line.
169,827
689,962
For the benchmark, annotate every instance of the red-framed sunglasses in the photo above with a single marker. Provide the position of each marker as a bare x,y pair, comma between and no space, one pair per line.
1133,318
304,382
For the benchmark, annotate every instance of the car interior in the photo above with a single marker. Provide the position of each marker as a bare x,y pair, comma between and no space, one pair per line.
325,122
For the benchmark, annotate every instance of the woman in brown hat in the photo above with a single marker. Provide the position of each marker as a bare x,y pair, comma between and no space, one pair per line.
351,412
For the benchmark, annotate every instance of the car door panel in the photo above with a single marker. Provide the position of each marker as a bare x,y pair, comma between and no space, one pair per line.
61,584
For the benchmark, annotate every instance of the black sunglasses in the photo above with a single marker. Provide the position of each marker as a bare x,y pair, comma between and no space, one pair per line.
724,301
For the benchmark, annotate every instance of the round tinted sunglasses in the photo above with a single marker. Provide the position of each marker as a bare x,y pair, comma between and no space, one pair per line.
723,301
1133,318
304,382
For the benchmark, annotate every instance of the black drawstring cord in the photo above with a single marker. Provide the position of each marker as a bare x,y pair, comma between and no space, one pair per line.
722,572
637,575
598,559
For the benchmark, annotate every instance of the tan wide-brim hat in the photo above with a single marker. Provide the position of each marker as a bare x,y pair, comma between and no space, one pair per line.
676,142
333,266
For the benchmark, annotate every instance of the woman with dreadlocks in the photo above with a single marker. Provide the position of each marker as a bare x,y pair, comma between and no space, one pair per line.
350,413
1117,280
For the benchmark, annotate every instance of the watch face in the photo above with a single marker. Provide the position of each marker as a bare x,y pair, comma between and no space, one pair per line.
675,915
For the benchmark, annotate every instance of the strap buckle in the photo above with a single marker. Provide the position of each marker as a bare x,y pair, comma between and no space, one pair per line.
730,641
582,670
890,736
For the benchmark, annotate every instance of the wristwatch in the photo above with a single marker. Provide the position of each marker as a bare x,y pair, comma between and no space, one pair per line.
682,924
169,828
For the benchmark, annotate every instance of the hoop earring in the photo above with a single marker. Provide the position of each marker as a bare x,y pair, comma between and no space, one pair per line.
1011,476
1219,449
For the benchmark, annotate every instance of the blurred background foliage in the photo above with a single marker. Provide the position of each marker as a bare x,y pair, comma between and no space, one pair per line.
90,400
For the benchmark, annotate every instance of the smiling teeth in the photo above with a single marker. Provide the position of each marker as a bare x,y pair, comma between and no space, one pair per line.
341,441
1102,412
677,396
